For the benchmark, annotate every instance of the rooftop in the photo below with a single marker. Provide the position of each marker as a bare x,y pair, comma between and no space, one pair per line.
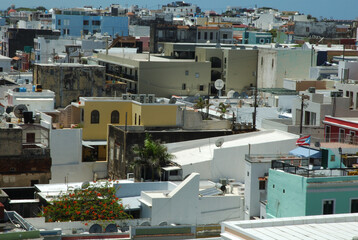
327,227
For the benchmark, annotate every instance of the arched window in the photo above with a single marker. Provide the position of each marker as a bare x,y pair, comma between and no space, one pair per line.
215,62
115,117
94,117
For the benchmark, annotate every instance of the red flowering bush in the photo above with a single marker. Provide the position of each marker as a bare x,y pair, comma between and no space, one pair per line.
96,202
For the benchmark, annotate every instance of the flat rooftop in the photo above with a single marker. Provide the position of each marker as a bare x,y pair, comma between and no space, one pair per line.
322,227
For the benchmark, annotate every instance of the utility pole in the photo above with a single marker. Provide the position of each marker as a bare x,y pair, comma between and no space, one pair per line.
303,97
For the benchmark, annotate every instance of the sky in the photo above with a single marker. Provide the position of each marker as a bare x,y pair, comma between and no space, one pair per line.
336,9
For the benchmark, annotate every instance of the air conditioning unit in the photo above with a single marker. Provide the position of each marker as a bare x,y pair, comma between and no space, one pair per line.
133,97
125,96
142,98
151,98
223,181
336,94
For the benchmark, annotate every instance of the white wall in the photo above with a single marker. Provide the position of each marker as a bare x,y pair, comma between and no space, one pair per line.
353,69
252,192
230,162
5,64
184,206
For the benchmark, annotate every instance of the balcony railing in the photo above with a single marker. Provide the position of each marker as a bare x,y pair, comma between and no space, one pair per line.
337,138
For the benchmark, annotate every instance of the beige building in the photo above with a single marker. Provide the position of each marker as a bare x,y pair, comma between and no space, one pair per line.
237,67
161,76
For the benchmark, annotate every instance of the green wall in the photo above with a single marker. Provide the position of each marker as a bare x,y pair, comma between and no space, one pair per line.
288,203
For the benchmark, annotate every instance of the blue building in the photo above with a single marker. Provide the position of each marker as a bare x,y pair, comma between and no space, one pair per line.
257,37
73,23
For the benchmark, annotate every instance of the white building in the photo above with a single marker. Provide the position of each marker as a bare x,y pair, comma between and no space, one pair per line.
67,165
186,204
5,64
336,226
34,101
215,161
180,8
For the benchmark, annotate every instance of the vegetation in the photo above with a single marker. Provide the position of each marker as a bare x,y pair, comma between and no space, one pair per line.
201,104
95,202
223,109
151,156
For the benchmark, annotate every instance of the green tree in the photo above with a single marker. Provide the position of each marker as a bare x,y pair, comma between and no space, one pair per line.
93,202
152,155
201,104
223,109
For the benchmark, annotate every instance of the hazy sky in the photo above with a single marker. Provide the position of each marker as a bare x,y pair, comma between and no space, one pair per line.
338,9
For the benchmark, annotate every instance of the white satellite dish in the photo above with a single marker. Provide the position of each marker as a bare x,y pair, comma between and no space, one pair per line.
230,94
219,142
219,84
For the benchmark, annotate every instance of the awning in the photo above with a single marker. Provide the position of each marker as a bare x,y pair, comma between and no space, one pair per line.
93,143
306,152
171,168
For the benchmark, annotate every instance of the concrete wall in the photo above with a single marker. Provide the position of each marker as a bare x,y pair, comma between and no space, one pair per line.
241,67
70,81
352,70
5,64
286,195
275,65
167,78
253,195
10,141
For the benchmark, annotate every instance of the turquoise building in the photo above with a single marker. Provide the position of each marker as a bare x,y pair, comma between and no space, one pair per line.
75,23
257,37
292,192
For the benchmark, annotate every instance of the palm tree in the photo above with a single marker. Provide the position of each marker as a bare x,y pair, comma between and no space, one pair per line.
152,155
223,109
200,104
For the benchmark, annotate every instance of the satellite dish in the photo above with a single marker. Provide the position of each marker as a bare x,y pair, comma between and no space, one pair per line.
236,95
219,142
230,94
85,185
19,110
219,84
173,100
95,228
145,223
111,228
163,224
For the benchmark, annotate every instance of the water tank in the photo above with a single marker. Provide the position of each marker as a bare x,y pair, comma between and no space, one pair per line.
28,117
22,89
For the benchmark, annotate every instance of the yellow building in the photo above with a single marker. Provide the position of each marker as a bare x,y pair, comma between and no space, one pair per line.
93,114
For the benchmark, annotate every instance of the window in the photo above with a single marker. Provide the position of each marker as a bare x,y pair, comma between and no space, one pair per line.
30,137
328,207
248,173
197,75
225,36
262,61
307,29
327,133
59,22
66,22
341,134
85,22
333,158
82,115
211,36
354,205
313,119
262,185
94,117
1,69
135,119
85,31
201,88
183,86
199,35
115,117
205,35
273,63
96,23
186,73
139,120
215,62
